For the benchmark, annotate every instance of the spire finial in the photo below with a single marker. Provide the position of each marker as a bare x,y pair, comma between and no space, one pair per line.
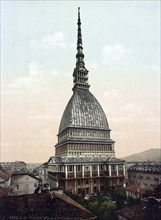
79,55
80,72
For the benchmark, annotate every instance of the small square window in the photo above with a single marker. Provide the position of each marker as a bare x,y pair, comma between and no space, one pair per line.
78,182
87,181
87,190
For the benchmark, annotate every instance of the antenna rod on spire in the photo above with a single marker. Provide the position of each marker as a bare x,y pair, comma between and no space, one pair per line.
79,40
79,54
78,12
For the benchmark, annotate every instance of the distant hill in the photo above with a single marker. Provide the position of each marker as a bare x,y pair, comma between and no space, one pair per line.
151,155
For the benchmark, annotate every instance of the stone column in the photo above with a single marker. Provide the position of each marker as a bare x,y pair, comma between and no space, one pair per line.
124,173
57,184
90,171
117,170
99,186
90,186
75,187
83,171
109,167
124,169
98,170
75,171
66,172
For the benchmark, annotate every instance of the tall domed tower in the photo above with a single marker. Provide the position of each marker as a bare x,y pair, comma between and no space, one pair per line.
84,154
84,130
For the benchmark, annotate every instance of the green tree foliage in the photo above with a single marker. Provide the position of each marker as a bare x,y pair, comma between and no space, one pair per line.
102,207
105,208
131,201
118,194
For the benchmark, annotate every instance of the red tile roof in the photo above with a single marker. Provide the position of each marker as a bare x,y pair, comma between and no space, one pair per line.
39,206
19,174
3,191
4,174
132,213
138,190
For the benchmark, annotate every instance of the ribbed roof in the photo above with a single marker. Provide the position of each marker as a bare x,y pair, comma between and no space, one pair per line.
83,160
83,111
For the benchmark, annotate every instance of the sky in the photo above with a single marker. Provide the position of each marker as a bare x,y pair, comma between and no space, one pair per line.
121,43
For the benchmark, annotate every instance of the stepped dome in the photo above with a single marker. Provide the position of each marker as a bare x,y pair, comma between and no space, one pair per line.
83,111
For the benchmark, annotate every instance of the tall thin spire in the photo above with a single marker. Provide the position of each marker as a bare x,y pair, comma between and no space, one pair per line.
80,73
79,55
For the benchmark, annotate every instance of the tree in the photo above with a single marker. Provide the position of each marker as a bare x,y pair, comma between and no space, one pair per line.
118,194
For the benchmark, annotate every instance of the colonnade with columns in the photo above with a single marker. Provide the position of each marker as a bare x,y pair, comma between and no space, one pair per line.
88,178
97,171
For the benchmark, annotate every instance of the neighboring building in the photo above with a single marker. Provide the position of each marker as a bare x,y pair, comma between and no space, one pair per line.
16,166
42,172
5,166
148,211
5,178
85,160
4,191
48,205
132,213
143,178
23,183
137,193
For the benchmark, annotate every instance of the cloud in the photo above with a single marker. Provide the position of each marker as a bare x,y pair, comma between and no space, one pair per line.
54,73
93,65
56,39
34,69
152,68
122,110
114,53
35,78
111,94
53,104
44,117
46,133
132,109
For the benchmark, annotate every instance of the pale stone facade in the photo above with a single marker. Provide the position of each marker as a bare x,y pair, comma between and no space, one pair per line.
89,176
145,175
143,178
23,183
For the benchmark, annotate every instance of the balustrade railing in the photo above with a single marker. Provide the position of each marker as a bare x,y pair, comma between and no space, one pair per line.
87,174
94,173
121,173
104,173
70,175
79,174
113,173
